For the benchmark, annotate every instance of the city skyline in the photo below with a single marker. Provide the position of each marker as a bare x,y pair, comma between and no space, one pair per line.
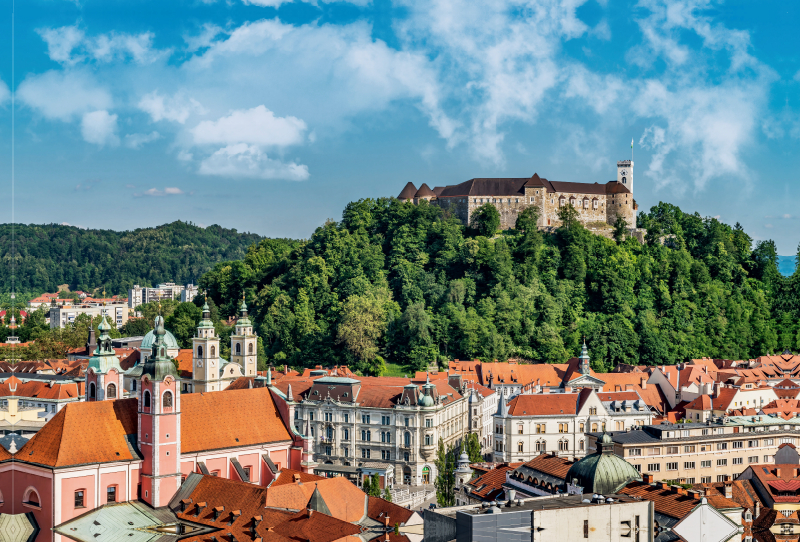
270,116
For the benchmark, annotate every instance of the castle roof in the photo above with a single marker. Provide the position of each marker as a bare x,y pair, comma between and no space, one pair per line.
408,192
424,191
516,187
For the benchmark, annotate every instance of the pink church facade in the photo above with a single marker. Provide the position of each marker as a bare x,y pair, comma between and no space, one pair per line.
114,450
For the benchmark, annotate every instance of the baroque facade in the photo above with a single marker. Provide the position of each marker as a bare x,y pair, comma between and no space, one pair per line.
397,422
596,203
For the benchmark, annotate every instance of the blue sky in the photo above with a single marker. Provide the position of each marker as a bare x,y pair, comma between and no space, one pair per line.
269,116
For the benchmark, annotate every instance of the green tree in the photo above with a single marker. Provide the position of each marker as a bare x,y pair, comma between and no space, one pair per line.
620,229
485,220
445,482
363,323
568,215
183,322
473,446
136,327
528,219
387,496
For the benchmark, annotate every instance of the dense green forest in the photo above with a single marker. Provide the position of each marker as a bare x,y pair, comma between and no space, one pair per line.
408,284
47,256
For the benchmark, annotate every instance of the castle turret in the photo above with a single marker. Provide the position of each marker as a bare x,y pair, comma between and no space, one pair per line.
625,174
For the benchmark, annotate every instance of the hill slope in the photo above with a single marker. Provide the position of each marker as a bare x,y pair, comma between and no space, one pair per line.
50,255
409,284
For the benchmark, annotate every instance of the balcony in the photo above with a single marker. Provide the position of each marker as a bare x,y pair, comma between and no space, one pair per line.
327,440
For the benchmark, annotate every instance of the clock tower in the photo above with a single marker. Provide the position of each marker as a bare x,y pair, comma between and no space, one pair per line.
625,174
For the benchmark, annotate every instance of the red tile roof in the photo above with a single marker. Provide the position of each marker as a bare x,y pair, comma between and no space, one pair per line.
287,476
185,362
212,421
549,404
550,464
488,486
344,500
64,441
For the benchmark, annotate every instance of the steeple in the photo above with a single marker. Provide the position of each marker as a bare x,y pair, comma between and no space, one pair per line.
502,407
584,365
159,364
206,322
103,372
244,343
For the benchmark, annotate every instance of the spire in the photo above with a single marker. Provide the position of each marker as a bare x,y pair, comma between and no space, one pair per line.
269,376
243,319
206,322
317,503
289,395
104,357
159,364
502,407
584,366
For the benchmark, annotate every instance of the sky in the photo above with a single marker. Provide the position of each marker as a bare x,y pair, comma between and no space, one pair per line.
269,116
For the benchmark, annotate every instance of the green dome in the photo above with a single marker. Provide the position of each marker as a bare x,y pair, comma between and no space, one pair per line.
169,340
602,472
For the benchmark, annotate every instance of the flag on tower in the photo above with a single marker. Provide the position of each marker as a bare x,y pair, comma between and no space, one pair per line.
631,142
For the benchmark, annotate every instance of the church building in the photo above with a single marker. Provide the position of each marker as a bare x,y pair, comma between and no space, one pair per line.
596,203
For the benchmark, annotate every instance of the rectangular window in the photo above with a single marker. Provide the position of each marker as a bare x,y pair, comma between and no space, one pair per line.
346,434
311,416
688,464
704,431
738,444
636,452
752,444
752,459
688,449
428,422
111,494
653,467
767,458
722,462
583,426
586,528
654,451
407,422
563,428
721,477
672,450
520,429
705,479
79,499
672,466
737,461
705,464
347,418
769,441
722,445
247,469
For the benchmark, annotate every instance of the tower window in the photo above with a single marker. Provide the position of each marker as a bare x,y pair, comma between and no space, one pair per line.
167,399
79,499
199,351
92,393
111,392
146,399
624,180
250,348
238,349
213,352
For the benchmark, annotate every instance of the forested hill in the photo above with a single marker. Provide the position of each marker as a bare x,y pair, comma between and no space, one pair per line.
407,284
50,255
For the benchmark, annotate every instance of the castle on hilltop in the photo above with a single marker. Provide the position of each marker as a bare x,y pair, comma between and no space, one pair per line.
595,202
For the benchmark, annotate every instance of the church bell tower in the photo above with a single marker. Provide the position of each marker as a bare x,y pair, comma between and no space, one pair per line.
244,343
625,174
205,345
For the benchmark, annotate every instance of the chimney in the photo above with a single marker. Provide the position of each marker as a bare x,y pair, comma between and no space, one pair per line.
647,478
644,383
567,389
728,490
664,485
674,489
696,495
757,510
545,389
628,387
295,478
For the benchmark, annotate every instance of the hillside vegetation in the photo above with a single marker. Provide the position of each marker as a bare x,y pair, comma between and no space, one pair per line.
51,255
407,284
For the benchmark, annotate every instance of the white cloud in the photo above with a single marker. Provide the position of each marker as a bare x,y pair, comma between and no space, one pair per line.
278,3
204,39
61,42
156,192
248,161
69,45
177,108
256,126
61,95
100,128
135,141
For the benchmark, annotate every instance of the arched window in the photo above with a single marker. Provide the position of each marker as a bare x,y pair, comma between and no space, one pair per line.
92,393
146,399
167,401
580,445
238,349
199,351
250,348
213,352
594,428
32,497
519,446
111,391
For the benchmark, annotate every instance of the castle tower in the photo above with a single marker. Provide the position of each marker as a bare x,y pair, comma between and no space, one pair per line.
625,174
159,424
244,343
103,374
205,345
463,472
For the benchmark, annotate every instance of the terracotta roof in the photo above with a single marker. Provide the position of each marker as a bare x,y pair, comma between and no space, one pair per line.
651,394
786,408
242,383
286,476
724,398
489,485
64,440
39,389
378,509
742,493
408,192
771,477
543,404
482,390
344,499
702,402
241,504
665,501
212,421
550,464
185,362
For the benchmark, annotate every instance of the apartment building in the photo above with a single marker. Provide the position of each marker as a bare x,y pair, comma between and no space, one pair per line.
61,315
396,422
714,451
556,421
166,290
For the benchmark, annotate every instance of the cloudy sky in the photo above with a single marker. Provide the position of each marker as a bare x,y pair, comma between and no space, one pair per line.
270,115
